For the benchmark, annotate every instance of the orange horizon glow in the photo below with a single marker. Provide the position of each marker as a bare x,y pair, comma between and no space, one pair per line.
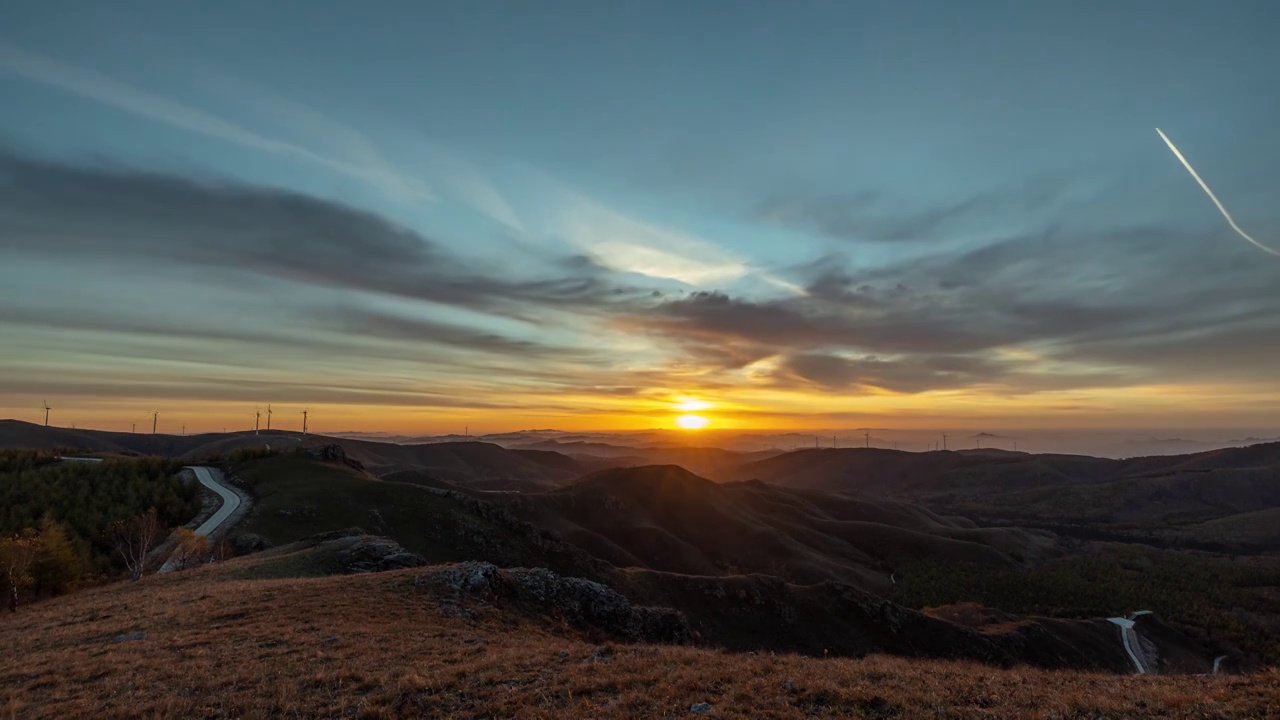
747,408
692,422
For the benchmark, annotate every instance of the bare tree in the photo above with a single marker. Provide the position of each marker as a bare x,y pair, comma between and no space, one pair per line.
17,552
134,538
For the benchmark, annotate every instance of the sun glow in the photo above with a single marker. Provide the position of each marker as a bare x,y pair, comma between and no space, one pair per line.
692,422
692,405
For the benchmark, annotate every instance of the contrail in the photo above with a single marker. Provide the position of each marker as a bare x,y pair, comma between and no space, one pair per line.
1221,208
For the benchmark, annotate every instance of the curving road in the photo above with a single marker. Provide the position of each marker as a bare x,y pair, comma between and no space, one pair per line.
1129,637
212,479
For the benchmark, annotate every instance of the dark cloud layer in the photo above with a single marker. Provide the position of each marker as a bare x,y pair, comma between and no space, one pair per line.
1051,311
66,210
1060,309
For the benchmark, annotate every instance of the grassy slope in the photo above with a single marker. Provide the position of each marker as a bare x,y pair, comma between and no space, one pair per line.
1162,497
373,646
297,497
1234,603
668,519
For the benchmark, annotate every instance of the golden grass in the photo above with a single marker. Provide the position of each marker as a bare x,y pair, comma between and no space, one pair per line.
373,646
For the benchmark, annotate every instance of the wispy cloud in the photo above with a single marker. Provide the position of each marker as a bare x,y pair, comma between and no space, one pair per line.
625,244
65,210
368,165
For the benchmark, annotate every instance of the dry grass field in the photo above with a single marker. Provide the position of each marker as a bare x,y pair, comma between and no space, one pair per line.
382,646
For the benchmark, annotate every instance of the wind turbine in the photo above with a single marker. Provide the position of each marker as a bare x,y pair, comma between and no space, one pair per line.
257,414
155,418
268,416
304,422
944,441
46,413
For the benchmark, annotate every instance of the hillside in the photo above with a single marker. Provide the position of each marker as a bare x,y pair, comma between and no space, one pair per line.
297,497
18,434
822,585
483,465
1167,498
666,518
394,645
477,464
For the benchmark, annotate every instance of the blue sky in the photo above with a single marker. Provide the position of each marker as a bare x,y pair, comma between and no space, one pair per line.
805,212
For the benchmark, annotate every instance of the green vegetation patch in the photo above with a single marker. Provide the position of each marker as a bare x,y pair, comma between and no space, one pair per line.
86,498
1232,600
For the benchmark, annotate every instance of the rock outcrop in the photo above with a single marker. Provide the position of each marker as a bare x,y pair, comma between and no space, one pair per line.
582,603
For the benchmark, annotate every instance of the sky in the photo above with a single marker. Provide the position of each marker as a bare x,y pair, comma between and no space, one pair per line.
424,217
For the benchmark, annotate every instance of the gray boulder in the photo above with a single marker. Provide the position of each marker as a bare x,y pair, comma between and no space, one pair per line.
580,602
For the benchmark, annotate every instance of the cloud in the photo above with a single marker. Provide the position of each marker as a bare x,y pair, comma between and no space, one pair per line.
1054,310
368,165
363,322
906,375
62,210
875,217
622,243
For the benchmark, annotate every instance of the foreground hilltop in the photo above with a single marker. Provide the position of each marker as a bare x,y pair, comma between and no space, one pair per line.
413,642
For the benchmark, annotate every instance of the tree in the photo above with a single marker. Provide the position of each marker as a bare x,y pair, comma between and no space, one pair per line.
192,549
58,565
16,555
133,539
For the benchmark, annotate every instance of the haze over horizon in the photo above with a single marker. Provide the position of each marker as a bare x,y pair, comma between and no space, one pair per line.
782,217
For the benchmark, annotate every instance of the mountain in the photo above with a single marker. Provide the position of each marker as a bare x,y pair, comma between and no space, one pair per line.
483,465
478,464
668,519
18,434
1159,497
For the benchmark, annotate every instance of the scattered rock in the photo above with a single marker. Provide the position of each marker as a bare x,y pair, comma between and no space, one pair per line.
563,655
246,543
335,454
601,654
700,708
789,686
580,602
370,553
129,636
331,452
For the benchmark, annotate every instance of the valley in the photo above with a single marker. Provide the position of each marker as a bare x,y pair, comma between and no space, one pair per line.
949,562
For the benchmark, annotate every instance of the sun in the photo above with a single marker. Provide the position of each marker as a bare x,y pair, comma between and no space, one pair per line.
692,422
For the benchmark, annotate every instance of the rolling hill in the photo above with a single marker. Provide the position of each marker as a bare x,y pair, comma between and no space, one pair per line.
668,519
213,642
1165,497
482,465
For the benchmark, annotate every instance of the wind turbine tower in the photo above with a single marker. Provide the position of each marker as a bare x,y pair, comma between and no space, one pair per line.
944,441
868,439
155,418
46,413
257,417
268,416
304,422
